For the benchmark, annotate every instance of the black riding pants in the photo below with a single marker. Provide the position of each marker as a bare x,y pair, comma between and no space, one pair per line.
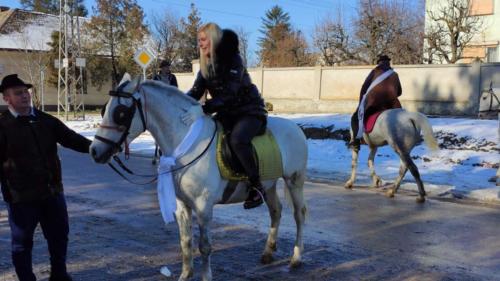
244,129
355,124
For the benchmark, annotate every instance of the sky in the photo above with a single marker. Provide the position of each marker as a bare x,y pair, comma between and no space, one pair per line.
304,14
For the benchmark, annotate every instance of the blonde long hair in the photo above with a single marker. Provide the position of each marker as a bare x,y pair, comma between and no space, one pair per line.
214,33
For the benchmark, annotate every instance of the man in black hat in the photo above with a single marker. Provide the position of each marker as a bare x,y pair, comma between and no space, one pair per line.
165,75
30,174
383,95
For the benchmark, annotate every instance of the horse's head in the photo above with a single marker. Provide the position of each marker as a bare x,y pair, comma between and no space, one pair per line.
122,120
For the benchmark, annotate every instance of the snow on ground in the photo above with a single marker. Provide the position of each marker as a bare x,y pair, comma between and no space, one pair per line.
463,167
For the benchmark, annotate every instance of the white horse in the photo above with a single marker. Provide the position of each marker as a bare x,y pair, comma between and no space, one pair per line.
401,130
156,107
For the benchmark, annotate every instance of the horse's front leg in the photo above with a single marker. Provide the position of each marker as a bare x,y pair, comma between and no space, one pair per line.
354,166
183,215
205,247
376,181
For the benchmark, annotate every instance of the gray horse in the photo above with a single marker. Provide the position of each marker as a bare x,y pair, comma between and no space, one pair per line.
156,107
401,130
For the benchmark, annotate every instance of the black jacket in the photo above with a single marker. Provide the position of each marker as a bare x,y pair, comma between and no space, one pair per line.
232,91
30,167
170,79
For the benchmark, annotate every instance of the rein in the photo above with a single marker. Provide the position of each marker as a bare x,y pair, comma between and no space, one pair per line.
155,176
124,127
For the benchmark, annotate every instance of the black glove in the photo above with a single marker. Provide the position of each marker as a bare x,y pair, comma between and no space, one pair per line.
213,105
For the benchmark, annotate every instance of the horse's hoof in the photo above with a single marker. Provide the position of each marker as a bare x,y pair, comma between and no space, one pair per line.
185,276
348,185
390,193
295,264
420,199
266,259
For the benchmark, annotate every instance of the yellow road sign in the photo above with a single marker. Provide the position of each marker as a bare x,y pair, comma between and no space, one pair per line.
143,57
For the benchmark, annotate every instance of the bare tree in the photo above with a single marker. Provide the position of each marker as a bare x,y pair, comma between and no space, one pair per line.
166,30
334,42
34,60
33,63
390,27
451,28
243,36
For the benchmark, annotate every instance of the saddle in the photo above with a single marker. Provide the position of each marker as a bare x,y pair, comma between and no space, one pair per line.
266,154
369,122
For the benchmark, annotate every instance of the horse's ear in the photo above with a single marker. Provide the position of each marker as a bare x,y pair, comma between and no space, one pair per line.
126,77
132,86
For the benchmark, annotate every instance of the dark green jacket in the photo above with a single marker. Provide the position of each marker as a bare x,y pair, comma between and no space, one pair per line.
30,167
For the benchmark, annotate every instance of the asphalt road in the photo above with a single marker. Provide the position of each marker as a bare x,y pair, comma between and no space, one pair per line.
117,234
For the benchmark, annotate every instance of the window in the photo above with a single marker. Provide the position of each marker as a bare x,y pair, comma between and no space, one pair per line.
481,7
492,54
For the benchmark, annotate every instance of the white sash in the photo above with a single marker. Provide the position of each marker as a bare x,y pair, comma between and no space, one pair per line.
361,108
166,187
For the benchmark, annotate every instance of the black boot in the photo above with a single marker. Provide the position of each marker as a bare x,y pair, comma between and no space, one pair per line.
256,195
64,277
354,144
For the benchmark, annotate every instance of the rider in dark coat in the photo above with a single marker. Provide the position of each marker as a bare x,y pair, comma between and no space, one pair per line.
234,98
383,96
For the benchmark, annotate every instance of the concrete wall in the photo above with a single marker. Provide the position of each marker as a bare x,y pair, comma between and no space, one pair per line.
431,89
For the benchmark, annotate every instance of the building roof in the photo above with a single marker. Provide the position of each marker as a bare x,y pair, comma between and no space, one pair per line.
26,30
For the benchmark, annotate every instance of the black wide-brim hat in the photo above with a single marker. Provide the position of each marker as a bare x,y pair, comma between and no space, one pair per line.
383,58
12,80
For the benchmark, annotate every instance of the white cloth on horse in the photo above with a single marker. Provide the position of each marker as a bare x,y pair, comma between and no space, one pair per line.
361,109
166,187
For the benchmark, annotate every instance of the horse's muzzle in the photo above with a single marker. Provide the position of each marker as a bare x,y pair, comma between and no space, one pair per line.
102,158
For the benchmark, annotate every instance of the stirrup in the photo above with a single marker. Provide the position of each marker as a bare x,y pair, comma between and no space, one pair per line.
250,204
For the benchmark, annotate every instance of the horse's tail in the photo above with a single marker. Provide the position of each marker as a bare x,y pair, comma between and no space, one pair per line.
423,124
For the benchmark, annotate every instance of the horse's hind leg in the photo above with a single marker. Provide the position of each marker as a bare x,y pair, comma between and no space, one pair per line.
183,215
402,171
376,181
414,171
354,166
274,206
295,186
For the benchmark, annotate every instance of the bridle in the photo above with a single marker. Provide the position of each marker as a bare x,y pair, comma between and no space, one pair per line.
122,117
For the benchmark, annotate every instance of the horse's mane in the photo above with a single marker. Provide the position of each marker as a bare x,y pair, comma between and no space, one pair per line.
171,91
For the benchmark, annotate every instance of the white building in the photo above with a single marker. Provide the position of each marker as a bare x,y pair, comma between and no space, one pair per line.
485,45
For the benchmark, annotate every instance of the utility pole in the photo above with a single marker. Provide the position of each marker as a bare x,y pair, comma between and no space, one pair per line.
70,83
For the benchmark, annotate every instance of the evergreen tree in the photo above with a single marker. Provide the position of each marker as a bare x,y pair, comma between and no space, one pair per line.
52,6
114,33
188,49
281,45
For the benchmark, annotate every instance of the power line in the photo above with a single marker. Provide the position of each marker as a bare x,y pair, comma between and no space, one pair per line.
208,10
